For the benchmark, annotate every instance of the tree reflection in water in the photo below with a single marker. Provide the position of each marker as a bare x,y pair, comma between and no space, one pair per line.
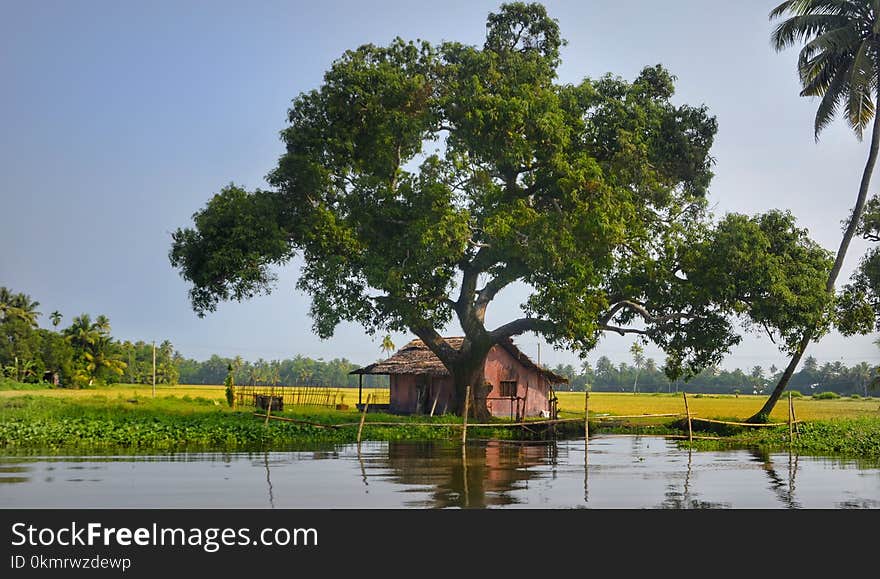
483,474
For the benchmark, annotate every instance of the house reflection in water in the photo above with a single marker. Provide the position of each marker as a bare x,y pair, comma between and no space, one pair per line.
487,474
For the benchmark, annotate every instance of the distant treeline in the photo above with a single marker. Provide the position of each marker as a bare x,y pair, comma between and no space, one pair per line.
85,354
606,376
299,370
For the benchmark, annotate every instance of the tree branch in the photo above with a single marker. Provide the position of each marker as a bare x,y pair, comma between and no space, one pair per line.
435,343
623,331
642,312
520,326
493,286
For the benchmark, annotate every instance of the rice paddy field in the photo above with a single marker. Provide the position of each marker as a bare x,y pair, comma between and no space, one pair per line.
716,406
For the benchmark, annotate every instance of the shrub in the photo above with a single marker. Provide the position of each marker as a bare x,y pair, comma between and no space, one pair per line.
796,394
826,395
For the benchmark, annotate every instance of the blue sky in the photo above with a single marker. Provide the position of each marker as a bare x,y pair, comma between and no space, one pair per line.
121,119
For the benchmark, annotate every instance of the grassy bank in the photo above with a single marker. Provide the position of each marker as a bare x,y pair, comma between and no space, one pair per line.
99,422
128,418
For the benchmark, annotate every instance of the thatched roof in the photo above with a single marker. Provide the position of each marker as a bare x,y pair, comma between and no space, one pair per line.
416,358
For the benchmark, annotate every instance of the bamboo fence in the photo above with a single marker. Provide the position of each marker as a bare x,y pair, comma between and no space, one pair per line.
792,421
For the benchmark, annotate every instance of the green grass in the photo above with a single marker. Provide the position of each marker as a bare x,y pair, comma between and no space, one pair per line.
100,422
11,385
852,437
189,418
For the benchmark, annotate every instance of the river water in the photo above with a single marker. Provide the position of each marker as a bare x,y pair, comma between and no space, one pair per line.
616,472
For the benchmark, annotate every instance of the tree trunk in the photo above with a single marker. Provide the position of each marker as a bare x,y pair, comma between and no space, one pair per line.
764,413
469,372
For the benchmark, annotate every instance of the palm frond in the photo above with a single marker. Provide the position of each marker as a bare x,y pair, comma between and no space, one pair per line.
830,101
801,7
839,41
803,28
862,81
816,73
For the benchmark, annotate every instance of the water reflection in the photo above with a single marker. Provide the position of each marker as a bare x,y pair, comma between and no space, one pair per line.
610,472
782,487
484,475
12,474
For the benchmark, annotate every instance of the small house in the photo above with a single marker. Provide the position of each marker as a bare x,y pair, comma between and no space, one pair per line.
421,384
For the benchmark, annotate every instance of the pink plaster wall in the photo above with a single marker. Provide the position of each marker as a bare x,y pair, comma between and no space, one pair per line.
500,365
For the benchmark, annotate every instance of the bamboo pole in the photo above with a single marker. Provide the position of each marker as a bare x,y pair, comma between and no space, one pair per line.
467,400
283,419
758,425
688,412
268,411
363,417
586,418
797,428
434,405
790,425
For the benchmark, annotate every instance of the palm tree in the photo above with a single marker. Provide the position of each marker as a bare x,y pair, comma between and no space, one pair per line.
102,324
93,345
387,345
55,317
863,374
638,353
18,306
839,63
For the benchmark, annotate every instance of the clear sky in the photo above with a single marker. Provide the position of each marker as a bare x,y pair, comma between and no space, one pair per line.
121,119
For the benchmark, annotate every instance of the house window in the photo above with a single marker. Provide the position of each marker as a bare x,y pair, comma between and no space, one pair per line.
508,388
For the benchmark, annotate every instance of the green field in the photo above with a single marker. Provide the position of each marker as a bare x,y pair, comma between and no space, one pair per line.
726,406
198,418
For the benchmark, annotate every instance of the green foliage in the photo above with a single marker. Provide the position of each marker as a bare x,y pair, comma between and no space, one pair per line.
828,395
796,394
100,424
416,170
138,358
96,359
859,303
855,437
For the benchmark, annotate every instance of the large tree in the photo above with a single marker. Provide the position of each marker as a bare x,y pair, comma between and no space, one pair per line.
420,181
839,63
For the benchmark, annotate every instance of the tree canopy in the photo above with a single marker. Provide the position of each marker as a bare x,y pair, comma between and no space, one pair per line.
418,181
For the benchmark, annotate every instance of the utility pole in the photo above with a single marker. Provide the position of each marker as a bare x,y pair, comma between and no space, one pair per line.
154,368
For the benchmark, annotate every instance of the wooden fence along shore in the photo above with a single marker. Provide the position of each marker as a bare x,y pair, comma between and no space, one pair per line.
792,422
247,395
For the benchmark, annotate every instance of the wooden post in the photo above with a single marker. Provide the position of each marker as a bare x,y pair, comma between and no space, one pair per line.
360,387
467,401
268,411
154,369
436,398
797,428
790,424
688,412
586,418
363,417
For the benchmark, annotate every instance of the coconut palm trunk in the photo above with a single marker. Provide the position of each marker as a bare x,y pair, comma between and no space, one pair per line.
849,233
